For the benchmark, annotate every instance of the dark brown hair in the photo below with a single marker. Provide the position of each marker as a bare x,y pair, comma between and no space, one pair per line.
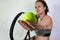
44,4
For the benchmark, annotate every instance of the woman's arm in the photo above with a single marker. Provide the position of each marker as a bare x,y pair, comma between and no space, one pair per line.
27,25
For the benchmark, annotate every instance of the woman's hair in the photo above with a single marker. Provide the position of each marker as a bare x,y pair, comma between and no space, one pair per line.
44,4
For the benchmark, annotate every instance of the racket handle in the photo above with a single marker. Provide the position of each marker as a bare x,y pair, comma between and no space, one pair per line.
28,34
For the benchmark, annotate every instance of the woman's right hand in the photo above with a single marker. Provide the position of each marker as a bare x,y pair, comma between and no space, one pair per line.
25,25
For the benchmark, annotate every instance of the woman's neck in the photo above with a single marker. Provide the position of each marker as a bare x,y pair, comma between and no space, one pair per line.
42,16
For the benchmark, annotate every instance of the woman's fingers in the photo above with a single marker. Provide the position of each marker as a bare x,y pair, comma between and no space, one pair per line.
21,23
25,25
30,24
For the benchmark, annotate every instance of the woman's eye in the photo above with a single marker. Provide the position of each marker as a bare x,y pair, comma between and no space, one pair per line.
39,6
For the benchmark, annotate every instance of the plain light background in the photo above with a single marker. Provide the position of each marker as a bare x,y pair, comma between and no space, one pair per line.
10,8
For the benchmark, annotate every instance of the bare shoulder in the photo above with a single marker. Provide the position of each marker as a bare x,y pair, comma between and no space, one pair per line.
48,18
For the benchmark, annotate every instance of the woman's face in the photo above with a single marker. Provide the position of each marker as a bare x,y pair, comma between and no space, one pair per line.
39,8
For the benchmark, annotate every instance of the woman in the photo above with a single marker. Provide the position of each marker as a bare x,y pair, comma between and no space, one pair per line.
44,24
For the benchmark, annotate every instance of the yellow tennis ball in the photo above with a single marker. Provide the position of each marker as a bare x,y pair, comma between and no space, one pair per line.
29,16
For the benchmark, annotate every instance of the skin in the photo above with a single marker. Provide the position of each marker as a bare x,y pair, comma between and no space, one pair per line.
44,22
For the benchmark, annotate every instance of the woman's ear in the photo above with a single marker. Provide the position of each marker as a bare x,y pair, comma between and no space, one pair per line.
44,8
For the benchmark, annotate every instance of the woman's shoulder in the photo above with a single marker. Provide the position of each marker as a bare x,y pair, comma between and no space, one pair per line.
48,18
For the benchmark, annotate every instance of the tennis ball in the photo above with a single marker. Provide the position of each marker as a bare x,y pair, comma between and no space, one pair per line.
29,16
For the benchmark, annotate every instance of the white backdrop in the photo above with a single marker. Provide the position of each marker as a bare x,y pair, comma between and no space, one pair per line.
10,8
